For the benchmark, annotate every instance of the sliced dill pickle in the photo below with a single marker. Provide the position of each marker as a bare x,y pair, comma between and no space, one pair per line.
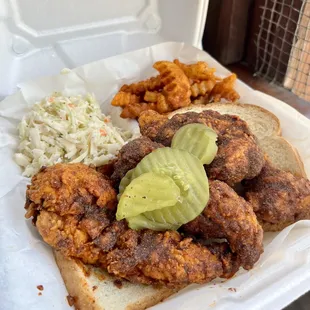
141,222
125,182
150,191
197,139
188,173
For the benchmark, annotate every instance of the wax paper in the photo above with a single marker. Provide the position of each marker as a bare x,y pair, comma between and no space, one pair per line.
283,271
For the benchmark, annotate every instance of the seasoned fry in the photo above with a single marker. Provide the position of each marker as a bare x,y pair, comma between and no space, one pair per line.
177,85
202,88
151,96
162,105
135,109
225,89
201,100
160,100
122,99
151,84
177,88
197,71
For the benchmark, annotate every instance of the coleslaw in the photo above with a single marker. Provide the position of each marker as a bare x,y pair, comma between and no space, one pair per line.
67,129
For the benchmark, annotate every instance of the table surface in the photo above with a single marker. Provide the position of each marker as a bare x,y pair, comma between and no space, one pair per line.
271,89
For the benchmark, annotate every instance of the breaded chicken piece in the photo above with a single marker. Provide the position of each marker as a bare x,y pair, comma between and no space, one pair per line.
71,204
67,188
73,208
229,216
278,198
169,259
238,158
130,155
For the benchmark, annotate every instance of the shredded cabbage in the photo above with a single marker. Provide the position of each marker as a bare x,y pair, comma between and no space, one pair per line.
67,129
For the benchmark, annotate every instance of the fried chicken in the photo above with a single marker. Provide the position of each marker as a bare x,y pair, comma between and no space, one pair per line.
169,258
73,208
278,198
239,157
130,155
71,204
229,216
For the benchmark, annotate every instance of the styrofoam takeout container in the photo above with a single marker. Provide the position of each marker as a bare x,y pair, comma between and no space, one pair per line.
40,37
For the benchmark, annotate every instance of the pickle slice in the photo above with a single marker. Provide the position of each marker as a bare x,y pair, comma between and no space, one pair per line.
124,183
197,139
188,174
141,222
150,191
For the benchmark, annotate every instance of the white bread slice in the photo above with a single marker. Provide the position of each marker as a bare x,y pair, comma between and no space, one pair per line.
93,289
265,126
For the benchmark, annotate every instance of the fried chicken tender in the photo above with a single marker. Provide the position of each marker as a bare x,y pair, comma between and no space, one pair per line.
71,204
130,155
225,89
229,216
73,208
67,188
278,198
169,258
239,157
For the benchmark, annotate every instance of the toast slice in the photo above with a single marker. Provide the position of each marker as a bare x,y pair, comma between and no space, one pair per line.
266,127
91,288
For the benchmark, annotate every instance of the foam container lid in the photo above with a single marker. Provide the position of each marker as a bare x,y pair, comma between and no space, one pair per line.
40,37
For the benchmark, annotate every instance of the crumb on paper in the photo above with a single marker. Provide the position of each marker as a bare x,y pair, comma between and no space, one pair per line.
71,300
85,269
99,275
213,304
40,287
39,294
232,289
118,283
95,287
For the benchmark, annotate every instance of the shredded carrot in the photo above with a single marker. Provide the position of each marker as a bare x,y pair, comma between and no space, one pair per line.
103,132
106,120
71,105
51,99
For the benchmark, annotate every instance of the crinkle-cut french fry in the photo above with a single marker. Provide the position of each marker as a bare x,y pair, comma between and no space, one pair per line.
197,71
134,110
151,96
162,105
202,88
201,100
225,90
177,87
123,99
151,84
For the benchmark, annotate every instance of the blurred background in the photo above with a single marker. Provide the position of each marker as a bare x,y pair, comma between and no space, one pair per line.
266,42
